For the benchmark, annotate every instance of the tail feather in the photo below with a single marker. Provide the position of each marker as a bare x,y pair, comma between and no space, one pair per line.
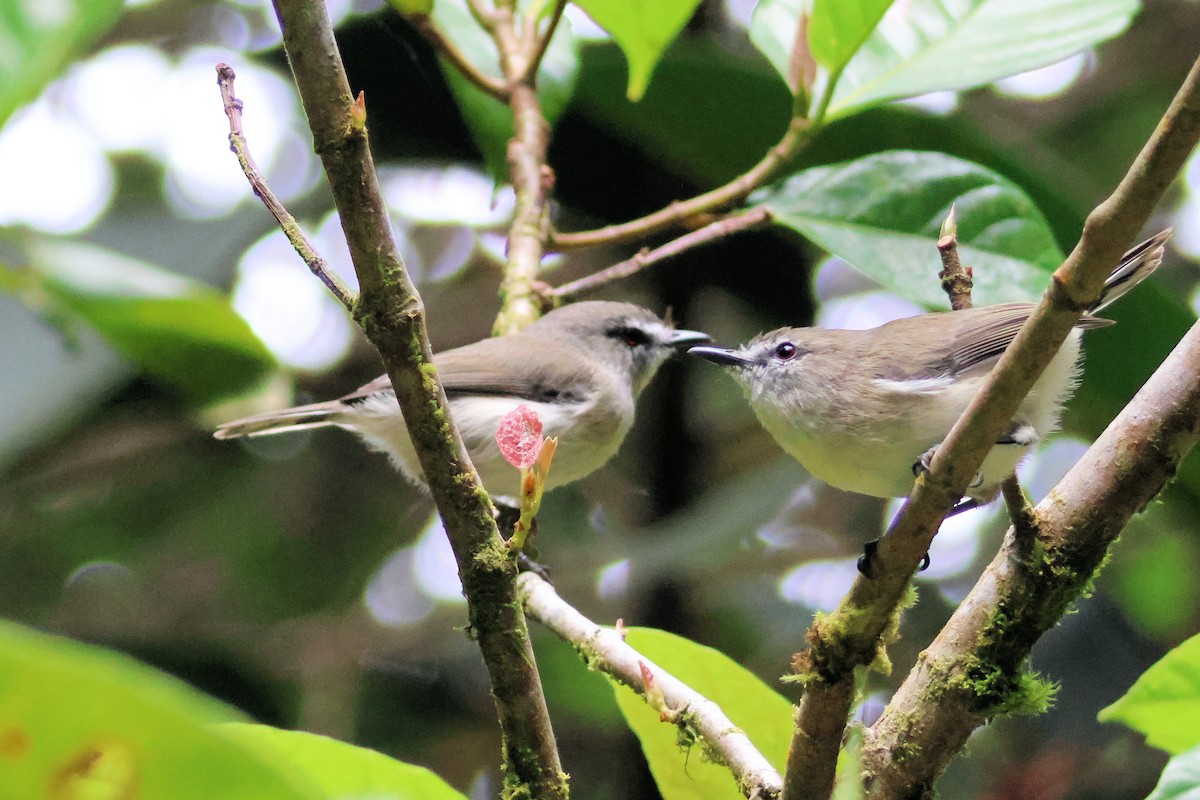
1136,265
317,415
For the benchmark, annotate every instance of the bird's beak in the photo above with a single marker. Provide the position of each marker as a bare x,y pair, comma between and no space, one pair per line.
680,338
721,356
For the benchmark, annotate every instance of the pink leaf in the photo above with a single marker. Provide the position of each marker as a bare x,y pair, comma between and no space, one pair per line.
520,437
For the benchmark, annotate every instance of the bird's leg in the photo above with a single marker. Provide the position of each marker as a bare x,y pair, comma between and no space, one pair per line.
866,562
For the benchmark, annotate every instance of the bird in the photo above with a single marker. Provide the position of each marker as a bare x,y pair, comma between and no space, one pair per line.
864,410
580,367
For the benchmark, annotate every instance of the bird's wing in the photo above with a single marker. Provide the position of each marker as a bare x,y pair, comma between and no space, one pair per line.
985,333
472,370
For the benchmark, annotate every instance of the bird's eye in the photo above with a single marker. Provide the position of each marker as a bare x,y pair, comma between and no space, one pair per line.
786,351
631,337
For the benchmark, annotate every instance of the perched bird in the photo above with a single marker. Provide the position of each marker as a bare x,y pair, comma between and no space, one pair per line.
580,367
863,410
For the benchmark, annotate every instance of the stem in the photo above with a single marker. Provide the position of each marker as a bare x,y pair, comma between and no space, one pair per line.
291,229
532,180
605,649
449,50
798,134
647,258
393,317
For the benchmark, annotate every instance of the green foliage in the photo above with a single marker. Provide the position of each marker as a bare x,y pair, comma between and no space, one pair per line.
38,41
491,121
928,45
180,331
758,711
1164,703
1180,779
341,771
642,31
882,214
78,721
839,27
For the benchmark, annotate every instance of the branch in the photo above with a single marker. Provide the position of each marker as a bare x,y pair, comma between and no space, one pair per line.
605,649
532,179
972,671
291,228
393,317
647,258
447,48
852,635
539,44
797,135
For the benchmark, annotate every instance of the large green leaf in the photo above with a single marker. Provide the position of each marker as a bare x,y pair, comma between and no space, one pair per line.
1164,703
38,41
760,713
81,722
933,45
180,331
882,214
1180,778
491,121
642,31
342,771
839,27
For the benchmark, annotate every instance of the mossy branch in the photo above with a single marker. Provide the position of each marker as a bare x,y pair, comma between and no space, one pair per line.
393,317
853,631
975,668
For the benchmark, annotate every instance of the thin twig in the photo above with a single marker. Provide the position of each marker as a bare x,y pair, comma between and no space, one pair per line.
608,652
484,16
957,280
647,258
851,636
797,135
237,143
1031,584
539,44
392,315
446,48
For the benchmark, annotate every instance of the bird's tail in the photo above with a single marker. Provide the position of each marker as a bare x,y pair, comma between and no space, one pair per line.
1136,265
317,415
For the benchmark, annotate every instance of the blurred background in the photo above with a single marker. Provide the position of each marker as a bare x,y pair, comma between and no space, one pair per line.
300,579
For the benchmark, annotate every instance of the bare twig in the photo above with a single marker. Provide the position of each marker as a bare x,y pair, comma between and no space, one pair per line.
1034,582
486,17
608,652
647,258
956,279
392,315
532,180
291,228
537,44
798,134
446,48
850,637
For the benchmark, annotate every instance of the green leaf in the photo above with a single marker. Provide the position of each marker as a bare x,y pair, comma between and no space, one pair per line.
78,721
642,31
839,27
882,214
180,331
1164,703
491,121
760,712
933,45
342,771
1180,778
38,41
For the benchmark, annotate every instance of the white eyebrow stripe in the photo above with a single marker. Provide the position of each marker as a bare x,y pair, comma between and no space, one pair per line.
918,386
